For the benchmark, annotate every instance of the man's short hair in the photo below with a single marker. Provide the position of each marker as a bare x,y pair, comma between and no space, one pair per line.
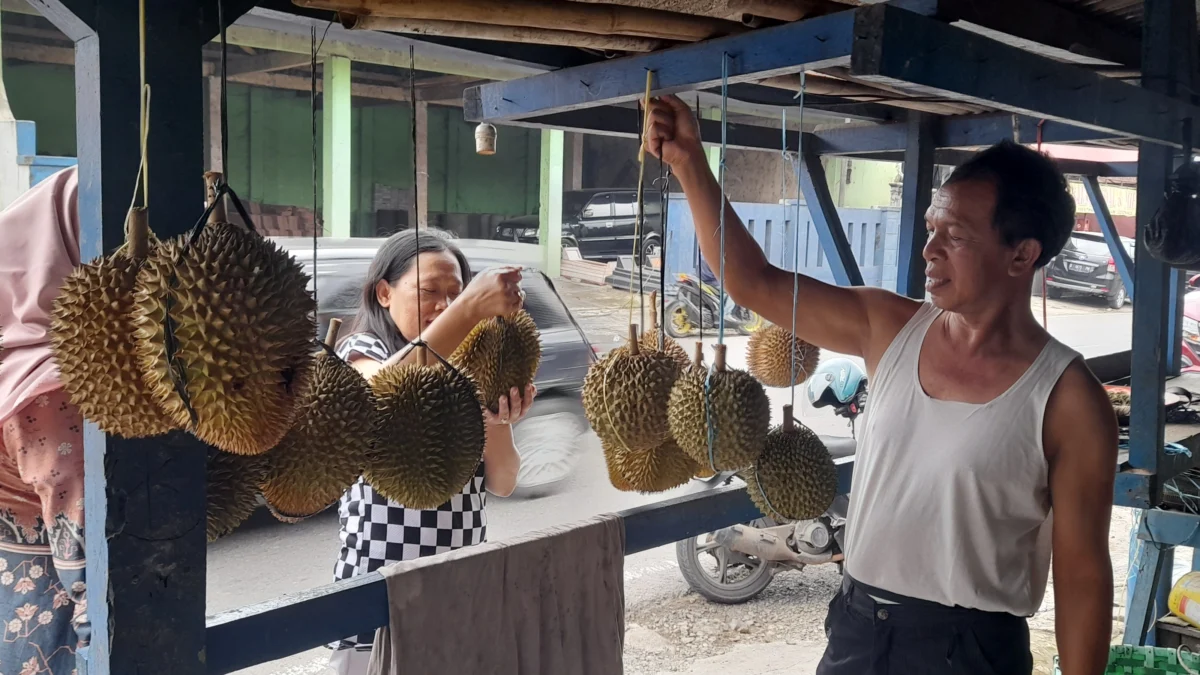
1032,200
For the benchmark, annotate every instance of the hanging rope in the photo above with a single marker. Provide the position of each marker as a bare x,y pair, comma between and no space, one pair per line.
699,259
412,97
1045,297
141,181
796,227
712,430
641,199
664,204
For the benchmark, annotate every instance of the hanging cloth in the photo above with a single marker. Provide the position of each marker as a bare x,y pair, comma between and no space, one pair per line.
548,603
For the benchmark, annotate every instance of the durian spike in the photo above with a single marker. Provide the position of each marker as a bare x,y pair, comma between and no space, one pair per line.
634,350
335,325
719,358
137,233
789,423
211,180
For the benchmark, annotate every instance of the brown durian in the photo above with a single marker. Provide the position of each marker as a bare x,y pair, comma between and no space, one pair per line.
499,354
649,339
430,434
741,415
615,477
625,396
774,351
92,335
795,477
243,324
232,490
327,446
657,470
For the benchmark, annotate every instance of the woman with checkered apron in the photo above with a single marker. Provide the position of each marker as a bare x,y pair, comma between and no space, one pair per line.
376,531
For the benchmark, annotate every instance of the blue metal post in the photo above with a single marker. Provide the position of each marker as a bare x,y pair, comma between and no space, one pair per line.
1116,249
828,222
915,197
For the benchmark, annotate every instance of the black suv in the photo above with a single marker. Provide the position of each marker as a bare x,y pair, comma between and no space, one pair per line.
600,223
1085,266
548,438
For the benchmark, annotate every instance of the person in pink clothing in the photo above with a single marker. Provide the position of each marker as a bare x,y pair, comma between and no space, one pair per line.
43,617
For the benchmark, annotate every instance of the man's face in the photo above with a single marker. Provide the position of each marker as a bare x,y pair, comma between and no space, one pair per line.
966,261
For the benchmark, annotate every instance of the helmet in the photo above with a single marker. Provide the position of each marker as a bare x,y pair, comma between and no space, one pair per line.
836,382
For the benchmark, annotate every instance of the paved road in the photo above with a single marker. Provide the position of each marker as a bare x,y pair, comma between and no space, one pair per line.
265,559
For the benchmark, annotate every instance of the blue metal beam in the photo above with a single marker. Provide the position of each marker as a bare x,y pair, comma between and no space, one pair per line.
1116,249
815,43
915,197
828,223
912,52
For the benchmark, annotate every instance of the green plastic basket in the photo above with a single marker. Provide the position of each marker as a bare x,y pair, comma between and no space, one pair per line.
1127,660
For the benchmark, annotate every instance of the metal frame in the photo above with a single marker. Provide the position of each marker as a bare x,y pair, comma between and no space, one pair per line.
827,221
1123,262
916,196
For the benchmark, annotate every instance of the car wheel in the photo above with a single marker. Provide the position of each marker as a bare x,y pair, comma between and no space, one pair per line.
1116,299
569,242
548,443
651,249
1054,293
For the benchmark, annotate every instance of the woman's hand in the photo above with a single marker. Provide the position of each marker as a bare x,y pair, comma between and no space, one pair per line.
494,292
512,408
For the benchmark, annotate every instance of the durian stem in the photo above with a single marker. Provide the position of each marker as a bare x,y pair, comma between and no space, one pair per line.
789,422
719,358
211,180
633,339
335,325
699,353
137,233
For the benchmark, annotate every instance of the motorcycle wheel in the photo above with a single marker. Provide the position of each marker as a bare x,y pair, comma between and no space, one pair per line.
722,575
676,321
753,322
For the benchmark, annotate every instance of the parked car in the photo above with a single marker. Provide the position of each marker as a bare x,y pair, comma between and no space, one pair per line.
600,223
1086,267
548,438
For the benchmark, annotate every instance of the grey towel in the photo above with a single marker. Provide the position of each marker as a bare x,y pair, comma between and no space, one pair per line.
548,603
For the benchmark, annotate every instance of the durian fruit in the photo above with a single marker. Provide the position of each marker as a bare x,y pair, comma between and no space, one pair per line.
232,490
625,396
430,434
741,415
498,354
795,476
326,448
615,477
649,340
771,353
92,335
657,470
243,322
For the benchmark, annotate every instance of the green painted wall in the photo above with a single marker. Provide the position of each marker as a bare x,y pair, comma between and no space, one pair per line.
860,183
45,94
461,181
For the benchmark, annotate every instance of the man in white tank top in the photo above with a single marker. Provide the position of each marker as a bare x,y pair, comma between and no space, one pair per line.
979,422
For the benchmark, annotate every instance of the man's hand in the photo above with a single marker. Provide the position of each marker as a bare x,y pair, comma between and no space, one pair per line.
672,133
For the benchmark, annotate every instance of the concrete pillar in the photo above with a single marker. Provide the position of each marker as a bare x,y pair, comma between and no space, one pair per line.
421,110
575,173
338,169
551,202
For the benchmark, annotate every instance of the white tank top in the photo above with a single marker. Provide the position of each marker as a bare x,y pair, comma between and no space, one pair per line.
950,501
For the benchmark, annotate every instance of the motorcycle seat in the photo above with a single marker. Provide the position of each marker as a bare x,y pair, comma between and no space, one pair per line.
840,446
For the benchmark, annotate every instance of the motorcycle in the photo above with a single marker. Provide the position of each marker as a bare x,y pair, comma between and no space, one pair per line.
735,564
698,305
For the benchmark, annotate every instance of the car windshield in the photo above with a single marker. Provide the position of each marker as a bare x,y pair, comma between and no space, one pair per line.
1093,244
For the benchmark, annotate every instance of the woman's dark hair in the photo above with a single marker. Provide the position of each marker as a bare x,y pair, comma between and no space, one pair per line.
1032,199
393,260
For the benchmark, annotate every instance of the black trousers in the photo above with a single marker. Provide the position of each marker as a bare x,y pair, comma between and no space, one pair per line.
918,637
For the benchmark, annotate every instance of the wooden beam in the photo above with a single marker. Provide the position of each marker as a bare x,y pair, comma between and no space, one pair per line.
823,41
446,91
1038,21
421,157
1112,237
267,63
909,51
502,33
550,202
36,53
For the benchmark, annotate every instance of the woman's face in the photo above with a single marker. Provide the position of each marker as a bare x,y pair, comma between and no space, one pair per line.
440,283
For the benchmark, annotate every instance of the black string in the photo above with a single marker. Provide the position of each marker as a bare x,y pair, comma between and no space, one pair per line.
664,200
224,89
412,99
699,259
312,102
640,223
408,349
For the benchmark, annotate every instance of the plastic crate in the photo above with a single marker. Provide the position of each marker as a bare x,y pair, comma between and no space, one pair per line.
1127,660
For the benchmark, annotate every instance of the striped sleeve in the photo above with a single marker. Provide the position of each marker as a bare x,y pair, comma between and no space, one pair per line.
363,344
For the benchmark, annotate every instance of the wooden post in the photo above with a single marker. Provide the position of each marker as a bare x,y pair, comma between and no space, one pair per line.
338,137
576,173
550,202
421,153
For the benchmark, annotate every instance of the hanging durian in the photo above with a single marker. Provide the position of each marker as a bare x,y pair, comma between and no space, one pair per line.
326,448
649,340
795,477
242,321
615,477
499,354
775,351
740,415
232,490
430,434
625,396
92,334
657,470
